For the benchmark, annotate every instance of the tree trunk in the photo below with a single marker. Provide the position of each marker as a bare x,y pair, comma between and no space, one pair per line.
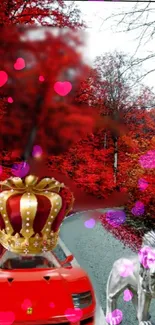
32,136
30,143
105,140
115,139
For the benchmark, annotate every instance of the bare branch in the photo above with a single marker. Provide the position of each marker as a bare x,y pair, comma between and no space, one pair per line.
141,19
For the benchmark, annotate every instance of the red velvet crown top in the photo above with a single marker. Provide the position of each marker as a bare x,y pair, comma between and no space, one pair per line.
13,208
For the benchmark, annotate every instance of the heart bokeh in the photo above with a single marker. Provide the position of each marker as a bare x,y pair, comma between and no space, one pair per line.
10,100
62,88
26,304
126,269
19,64
3,78
115,317
20,169
90,223
7,318
52,304
73,314
127,295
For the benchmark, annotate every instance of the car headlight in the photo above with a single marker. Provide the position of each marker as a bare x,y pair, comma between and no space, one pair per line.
82,300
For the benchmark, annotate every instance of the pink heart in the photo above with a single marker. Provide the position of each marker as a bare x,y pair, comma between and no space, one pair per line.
115,317
26,304
7,318
20,169
20,64
3,78
62,88
90,223
73,314
126,269
41,78
10,100
127,295
52,305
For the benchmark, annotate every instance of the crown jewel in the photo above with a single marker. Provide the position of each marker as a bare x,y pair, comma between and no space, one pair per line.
30,189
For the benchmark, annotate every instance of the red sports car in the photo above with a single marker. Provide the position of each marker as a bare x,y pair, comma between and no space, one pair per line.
45,289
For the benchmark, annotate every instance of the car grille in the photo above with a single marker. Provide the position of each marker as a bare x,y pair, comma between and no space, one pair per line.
87,321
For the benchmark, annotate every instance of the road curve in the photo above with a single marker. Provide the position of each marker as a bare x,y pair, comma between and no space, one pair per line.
95,250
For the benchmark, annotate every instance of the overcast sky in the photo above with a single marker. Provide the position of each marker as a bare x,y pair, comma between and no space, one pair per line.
103,39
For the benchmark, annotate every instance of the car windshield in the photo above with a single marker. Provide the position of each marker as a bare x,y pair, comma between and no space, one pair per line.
27,263
11,261
47,260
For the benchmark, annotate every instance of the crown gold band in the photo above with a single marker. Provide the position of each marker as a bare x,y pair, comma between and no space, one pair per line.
35,245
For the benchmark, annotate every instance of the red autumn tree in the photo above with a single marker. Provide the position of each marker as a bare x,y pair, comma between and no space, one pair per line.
137,121
36,103
136,166
90,165
25,12
109,89
39,12
59,119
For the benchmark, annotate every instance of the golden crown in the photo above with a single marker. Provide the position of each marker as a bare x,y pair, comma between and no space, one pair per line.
29,189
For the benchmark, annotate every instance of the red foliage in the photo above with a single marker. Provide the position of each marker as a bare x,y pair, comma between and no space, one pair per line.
63,121
91,168
140,140
58,119
83,201
51,57
44,12
127,235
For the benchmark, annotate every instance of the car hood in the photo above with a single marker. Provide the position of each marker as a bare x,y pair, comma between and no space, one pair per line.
48,292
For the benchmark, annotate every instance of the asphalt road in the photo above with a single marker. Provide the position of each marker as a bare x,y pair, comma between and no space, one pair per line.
96,250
